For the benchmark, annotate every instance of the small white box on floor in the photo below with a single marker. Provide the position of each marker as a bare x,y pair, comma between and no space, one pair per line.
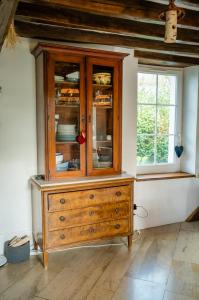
1,244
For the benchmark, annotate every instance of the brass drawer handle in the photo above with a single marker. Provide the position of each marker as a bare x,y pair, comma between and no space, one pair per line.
91,196
62,201
91,230
91,213
62,218
118,194
62,236
117,226
117,210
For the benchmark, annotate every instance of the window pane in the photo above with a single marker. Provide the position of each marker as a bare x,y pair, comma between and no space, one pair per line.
165,149
165,120
102,117
146,88
162,149
146,119
166,89
145,150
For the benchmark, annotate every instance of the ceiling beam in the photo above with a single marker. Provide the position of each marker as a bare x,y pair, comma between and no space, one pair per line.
166,57
70,18
155,62
192,4
57,33
7,11
188,2
126,9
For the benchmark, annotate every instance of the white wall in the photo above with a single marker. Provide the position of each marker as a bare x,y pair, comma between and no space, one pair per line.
17,139
167,201
190,137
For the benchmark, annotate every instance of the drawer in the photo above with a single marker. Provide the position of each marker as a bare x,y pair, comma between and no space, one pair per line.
87,215
88,232
79,199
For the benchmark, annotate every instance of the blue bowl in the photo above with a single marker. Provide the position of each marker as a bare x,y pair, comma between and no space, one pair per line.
62,166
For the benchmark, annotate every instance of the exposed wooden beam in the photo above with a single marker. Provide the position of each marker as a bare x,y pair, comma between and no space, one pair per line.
193,4
33,30
7,11
75,19
161,63
126,9
188,2
166,58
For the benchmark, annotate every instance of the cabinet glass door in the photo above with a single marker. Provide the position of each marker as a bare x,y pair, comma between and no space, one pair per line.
103,123
68,118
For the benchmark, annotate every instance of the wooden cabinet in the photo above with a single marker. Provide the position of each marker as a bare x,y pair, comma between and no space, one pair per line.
79,106
81,211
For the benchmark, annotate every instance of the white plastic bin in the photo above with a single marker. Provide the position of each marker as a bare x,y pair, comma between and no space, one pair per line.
1,244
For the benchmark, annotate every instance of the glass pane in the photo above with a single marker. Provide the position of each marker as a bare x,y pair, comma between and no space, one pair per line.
102,117
165,149
67,116
146,88
145,149
166,89
146,119
165,120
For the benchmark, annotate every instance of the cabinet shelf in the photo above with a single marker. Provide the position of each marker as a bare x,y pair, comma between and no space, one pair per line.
103,106
106,86
105,141
67,105
66,142
67,83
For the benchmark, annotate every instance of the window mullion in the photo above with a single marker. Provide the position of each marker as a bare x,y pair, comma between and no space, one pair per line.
156,106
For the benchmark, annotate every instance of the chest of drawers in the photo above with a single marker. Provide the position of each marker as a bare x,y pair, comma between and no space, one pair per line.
75,212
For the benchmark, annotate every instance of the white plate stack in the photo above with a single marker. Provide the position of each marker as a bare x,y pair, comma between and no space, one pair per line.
66,132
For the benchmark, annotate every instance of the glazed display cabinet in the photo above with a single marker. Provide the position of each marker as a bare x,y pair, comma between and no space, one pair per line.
78,112
80,194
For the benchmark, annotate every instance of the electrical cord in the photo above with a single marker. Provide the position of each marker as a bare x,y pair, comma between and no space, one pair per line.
145,210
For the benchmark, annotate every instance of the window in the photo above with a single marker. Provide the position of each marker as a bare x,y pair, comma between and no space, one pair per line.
157,126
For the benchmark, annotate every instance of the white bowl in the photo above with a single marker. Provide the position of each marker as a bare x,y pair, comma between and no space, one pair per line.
66,127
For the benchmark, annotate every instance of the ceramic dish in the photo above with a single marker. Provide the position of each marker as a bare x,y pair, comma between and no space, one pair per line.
62,166
104,164
66,138
59,158
102,78
64,127
59,78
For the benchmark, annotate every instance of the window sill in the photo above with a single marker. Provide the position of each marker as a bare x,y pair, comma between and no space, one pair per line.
163,176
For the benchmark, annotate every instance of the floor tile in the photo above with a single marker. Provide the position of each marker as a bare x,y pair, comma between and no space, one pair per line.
187,247
184,279
166,232
173,296
134,289
153,260
113,274
190,226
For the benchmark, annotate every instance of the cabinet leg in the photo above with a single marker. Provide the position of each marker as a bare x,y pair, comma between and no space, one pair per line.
130,241
35,245
45,259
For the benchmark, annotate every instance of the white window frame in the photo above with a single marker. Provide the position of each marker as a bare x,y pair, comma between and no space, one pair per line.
175,166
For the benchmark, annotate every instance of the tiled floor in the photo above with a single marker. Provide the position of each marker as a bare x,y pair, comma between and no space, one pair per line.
162,265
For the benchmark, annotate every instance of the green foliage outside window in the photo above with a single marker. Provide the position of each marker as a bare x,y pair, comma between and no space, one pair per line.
156,116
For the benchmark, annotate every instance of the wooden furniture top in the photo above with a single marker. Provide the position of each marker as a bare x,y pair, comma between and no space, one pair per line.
76,50
163,176
86,181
